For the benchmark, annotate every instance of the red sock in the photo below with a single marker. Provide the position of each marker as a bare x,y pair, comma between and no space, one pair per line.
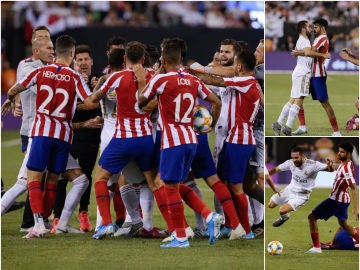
119,206
103,201
315,239
193,200
35,197
49,196
161,201
242,207
301,117
176,209
334,123
224,197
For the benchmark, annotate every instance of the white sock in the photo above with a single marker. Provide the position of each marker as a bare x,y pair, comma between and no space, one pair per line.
218,207
78,188
284,216
131,201
284,113
293,112
12,194
256,210
147,206
198,217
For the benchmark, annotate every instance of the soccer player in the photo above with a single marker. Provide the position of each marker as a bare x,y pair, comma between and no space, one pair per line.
339,200
244,99
115,42
318,87
176,92
297,193
342,240
52,129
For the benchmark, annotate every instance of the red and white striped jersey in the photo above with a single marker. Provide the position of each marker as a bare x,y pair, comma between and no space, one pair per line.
58,88
243,102
131,122
177,92
321,43
344,177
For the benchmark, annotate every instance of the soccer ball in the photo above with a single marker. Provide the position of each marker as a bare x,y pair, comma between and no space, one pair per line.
275,248
202,119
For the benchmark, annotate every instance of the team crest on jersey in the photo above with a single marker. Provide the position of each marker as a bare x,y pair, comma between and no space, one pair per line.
306,173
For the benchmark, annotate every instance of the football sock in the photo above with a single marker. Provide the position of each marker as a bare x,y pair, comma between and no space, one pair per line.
315,239
176,209
103,201
119,206
334,123
293,112
193,200
301,117
161,201
257,210
79,185
285,216
227,203
147,206
217,206
200,223
49,196
60,197
131,202
12,194
35,196
241,203
284,113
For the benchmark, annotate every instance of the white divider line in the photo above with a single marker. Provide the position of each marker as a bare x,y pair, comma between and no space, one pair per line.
11,143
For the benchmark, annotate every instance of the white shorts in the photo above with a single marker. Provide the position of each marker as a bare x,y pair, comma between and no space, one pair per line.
257,158
106,134
295,199
300,86
133,174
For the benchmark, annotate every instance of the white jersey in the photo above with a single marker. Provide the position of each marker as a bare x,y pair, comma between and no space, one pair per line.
28,98
303,63
303,178
108,109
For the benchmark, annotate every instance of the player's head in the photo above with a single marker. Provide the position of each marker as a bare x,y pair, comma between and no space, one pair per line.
303,27
65,47
40,31
151,55
297,156
171,55
135,52
116,59
228,50
245,61
83,59
115,42
320,26
259,52
345,151
178,42
43,49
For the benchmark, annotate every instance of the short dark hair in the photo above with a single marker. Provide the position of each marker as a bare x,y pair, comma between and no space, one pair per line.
64,44
348,147
116,58
83,49
135,51
151,55
178,41
247,59
233,42
297,149
322,22
300,26
117,40
171,52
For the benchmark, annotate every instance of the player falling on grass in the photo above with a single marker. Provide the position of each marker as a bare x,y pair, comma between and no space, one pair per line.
318,87
339,199
297,193
58,86
300,82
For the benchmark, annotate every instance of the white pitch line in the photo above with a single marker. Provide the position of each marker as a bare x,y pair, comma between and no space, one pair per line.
11,143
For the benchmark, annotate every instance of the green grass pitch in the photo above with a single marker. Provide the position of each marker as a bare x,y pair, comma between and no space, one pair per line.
81,252
295,237
343,90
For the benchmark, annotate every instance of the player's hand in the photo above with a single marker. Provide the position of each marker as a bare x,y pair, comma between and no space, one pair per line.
7,107
94,81
140,72
86,78
344,55
80,106
17,112
356,213
294,53
96,122
327,55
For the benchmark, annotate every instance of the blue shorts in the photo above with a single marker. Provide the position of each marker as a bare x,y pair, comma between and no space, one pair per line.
318,89
157,147
175,162
24,143
48,153
329,208
233,161
120,152
343,240
203,164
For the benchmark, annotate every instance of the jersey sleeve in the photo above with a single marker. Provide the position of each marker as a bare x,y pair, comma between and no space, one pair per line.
156,86
111,83
319,166
285,166
30,78
203,91
241,84
82,88
349,173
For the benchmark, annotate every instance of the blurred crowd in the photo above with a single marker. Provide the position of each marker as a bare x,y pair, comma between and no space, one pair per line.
340,14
